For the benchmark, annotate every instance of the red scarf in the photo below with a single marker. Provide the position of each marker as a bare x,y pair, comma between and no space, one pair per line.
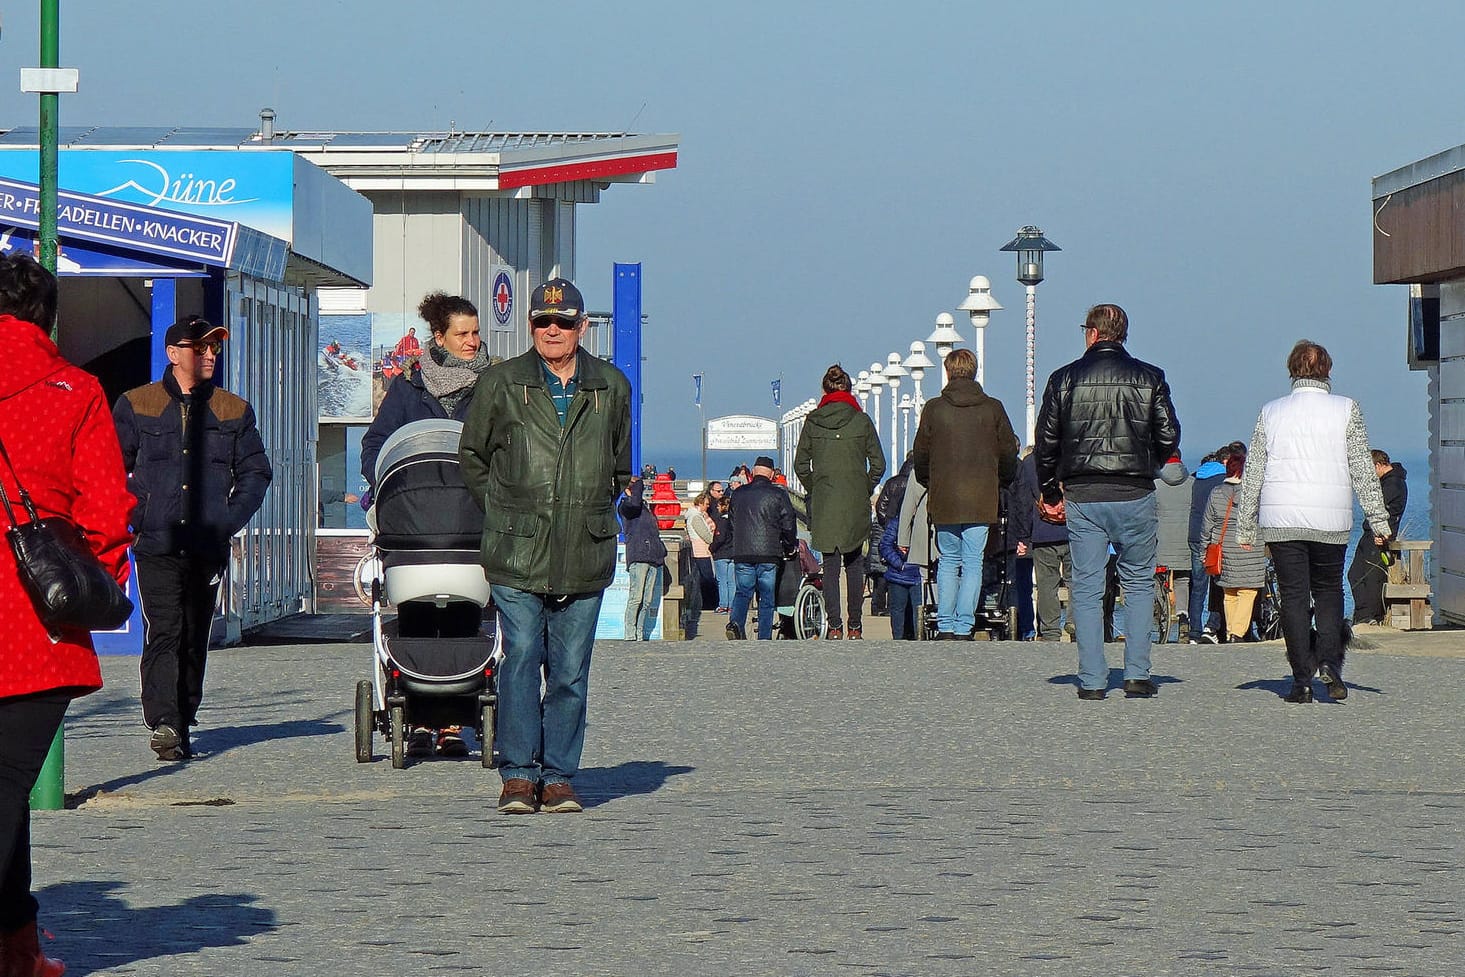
840,397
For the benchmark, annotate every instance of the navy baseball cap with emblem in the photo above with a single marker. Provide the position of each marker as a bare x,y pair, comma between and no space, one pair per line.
557,297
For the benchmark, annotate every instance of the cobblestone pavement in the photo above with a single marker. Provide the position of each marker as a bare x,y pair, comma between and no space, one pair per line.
841,808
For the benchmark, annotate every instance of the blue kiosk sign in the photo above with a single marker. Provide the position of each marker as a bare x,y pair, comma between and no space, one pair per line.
97,219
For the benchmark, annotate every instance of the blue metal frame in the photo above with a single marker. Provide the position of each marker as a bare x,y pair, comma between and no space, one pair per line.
627,351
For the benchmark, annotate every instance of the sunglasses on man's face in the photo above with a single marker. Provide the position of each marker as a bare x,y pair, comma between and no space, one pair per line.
565,325
202,348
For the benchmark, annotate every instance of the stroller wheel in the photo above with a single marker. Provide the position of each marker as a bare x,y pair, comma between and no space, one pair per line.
399,737
364,721
485,733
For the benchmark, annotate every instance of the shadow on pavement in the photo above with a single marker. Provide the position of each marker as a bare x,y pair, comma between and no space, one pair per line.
1281,686
109,933
597,785
209,743
1116,679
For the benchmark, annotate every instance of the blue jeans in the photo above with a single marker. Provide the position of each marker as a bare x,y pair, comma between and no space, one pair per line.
905,610
546,638
1200,585
642,600
959,575
1132,528
727,582
762,577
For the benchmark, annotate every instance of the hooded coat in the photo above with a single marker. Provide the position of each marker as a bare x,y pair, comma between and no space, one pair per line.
965,453
839,461
58,433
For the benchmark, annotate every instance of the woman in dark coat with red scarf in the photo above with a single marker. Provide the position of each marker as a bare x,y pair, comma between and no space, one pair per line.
59,436
839,461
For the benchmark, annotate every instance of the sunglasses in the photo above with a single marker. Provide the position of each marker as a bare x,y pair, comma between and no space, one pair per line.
565,324
201,348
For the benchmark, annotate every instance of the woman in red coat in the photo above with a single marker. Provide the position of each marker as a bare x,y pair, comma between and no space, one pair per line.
58,434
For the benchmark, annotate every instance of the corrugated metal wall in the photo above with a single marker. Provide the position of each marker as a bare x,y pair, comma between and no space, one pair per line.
1447,456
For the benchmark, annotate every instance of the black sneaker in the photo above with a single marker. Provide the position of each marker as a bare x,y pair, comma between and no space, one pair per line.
419,742
167,743
1091,695
1139,688
734,633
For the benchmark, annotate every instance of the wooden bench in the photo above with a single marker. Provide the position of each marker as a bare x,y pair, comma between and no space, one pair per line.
1407,592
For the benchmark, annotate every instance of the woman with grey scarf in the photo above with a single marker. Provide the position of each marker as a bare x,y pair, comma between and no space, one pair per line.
439,384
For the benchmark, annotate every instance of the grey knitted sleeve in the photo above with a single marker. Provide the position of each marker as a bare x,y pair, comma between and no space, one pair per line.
1249,500
1361,471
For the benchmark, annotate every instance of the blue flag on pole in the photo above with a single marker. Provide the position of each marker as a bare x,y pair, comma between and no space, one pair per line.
777,392
697,398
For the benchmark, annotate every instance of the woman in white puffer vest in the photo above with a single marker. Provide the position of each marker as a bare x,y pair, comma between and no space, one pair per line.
1309,456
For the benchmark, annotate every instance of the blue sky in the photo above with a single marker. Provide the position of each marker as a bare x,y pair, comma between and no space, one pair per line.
846,168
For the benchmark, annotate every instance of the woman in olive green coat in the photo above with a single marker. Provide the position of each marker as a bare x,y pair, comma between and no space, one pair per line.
840,461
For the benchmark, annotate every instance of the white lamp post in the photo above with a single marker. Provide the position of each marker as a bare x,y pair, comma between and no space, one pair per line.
980,305
877,382
945,339
906,403
918,363
1030,244
893,372
862,387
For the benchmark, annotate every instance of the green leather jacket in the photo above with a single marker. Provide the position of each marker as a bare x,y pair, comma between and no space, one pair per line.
548,492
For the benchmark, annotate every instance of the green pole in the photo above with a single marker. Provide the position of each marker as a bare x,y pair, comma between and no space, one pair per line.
50,793
50,58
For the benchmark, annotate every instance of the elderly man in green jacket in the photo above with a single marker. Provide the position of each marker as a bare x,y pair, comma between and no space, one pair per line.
546,451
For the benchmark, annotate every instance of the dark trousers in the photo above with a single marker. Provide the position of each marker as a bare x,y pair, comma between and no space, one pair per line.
1310,579
697,572
854,582
178,596
1366,578
28,723
905,610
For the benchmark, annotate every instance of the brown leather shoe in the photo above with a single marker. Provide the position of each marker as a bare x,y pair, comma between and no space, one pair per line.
836,634
559,798
517,796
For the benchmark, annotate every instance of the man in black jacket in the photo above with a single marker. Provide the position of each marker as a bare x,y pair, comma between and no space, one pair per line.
762,517
1106,426
197,465
1368,572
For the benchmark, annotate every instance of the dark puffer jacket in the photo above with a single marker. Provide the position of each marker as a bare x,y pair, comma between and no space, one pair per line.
197,463
965,452
1395,486
762,518
638,522
1106,418
548,491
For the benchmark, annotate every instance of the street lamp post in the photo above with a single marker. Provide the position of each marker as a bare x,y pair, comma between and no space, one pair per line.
862,388
1030,245
980,305
877,382
918,363
906,403
893,372
944,339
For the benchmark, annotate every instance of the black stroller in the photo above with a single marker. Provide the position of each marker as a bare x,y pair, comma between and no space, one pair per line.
434,663
996,612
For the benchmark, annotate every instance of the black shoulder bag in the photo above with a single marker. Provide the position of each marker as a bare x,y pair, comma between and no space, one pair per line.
68,585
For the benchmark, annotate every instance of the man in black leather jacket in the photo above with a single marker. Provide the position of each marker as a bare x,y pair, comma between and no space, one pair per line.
763,530
1106,426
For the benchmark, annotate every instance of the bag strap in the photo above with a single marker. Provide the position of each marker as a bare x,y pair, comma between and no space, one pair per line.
1227,519
25,498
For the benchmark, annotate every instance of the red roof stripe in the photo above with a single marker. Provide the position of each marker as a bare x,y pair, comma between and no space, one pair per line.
531,176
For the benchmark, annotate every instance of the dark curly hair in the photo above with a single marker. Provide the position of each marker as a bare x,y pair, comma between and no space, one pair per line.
27,291
436,308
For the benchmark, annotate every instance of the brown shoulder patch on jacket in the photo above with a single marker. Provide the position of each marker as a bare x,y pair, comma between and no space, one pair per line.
227,406
149,400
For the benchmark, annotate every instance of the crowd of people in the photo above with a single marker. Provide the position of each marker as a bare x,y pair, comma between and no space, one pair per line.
1099,504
